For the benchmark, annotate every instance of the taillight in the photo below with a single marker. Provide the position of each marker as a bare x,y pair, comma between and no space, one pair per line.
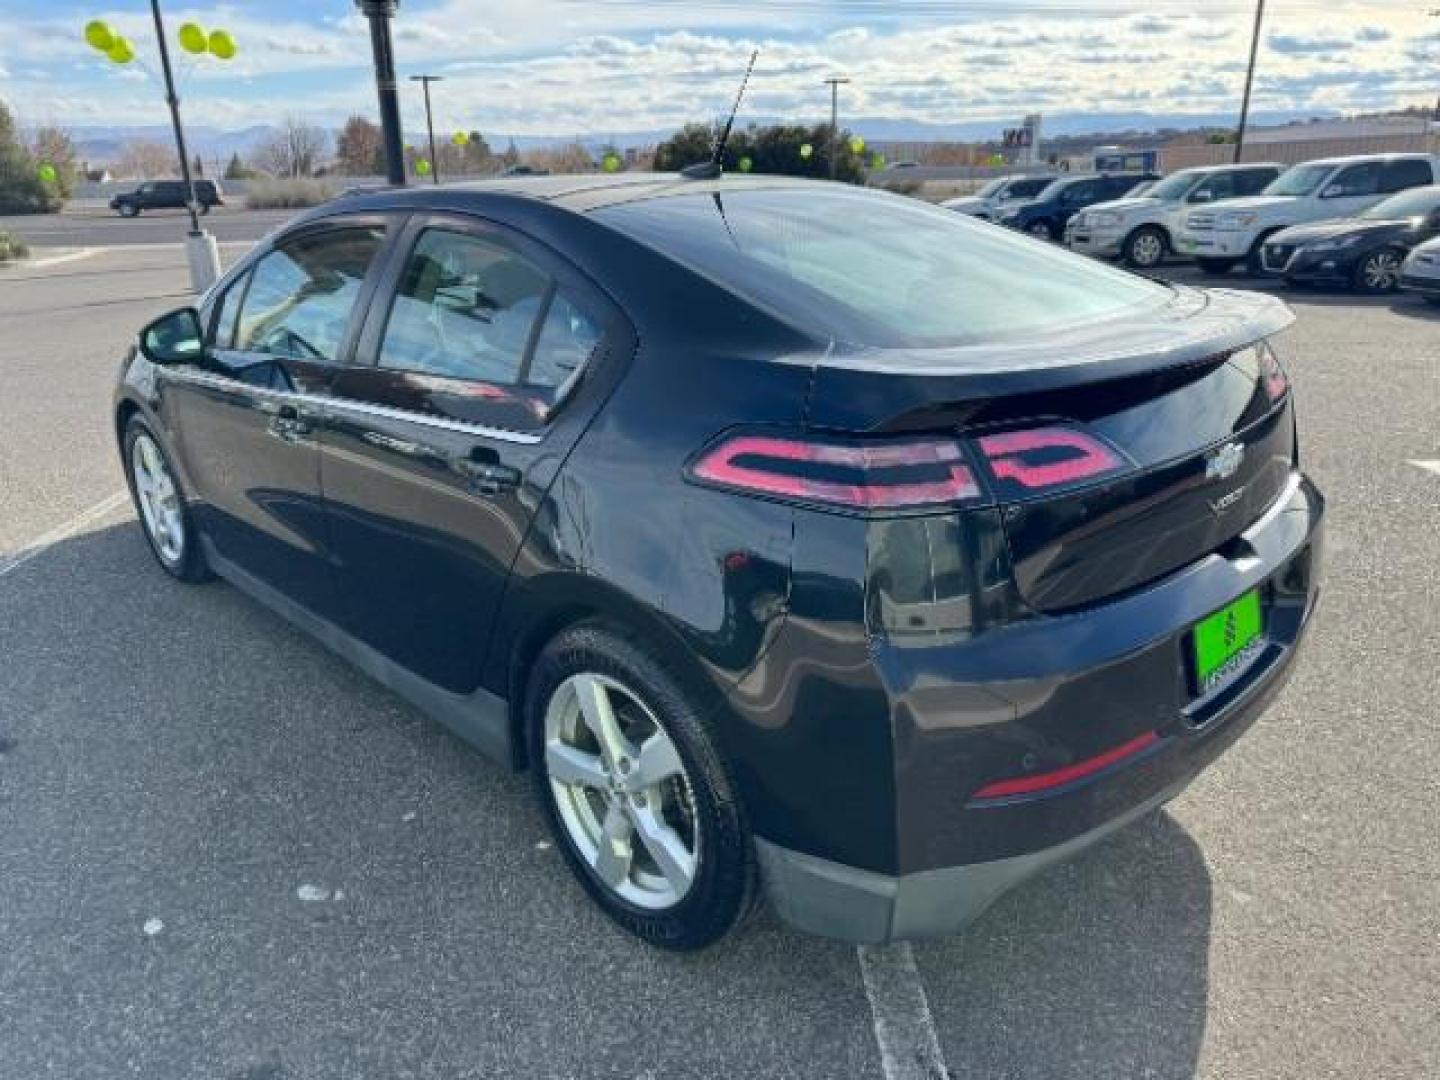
863,476
1272,375
1045,458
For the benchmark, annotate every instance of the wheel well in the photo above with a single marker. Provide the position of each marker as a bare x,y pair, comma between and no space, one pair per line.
123,414
1153,226
1260,240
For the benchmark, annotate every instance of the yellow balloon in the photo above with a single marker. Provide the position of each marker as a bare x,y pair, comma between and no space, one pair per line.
222,44
422,167
193,39
121,51
857,145
460,138
807,151
99,35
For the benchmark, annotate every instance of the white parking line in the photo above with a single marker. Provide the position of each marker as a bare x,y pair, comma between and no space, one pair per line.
56,260
904,1028
62,532
1433,466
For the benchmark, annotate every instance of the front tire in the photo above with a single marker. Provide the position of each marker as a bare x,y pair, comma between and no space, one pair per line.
1377,273
129,210
160,505
637,797
1041,230
1145,248
1215,267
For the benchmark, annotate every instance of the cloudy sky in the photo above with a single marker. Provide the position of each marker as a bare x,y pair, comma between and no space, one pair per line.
562,67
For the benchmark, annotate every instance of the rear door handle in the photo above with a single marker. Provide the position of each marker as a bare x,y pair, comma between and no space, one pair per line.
487,477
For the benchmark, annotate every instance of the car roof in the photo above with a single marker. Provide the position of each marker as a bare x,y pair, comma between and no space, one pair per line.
581,192
1358,159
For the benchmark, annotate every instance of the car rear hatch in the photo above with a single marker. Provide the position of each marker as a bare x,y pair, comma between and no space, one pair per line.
1116,453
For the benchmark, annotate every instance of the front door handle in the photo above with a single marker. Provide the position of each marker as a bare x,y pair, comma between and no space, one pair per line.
487,477
289,424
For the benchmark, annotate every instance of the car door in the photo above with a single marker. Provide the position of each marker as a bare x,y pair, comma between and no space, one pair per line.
247,418
1351,190
473,380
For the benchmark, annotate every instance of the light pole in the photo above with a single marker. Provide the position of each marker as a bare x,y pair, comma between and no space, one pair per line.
1249,80
425,81
835,82
380,12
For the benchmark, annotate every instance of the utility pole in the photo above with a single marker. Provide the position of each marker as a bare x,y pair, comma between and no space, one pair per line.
1249,80
425,81
835,82
200,249
380,12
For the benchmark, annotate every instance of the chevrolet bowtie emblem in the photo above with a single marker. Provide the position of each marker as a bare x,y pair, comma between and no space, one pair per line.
1223,463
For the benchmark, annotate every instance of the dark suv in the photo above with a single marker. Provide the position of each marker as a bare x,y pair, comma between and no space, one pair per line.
1046,215
166,195
788,533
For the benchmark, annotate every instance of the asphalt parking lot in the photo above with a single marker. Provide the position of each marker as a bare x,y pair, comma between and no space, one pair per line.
225,854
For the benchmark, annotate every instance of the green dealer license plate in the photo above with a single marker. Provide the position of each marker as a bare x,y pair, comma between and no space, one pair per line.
1225,641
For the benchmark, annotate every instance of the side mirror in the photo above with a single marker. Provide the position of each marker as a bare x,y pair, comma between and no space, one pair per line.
175,338
1203,195
1334,191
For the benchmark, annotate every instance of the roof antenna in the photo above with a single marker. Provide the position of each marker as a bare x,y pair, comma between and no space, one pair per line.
711,170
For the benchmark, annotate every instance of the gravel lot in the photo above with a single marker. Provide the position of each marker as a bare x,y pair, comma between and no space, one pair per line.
227,855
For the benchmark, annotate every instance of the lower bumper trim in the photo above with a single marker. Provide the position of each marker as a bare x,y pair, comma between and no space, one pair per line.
828,898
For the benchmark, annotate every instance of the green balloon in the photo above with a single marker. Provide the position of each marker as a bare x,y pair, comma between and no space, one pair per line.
877,160
47,173
857,145
422,167
99,35
746,164
121,51
611,163
222,44
807,151
193,39
460,138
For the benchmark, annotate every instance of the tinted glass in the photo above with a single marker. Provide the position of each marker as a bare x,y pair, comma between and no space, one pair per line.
1031,185
881,270
1219,186
1408,204
991,188
1354,180
228,313
1252,180
302,293
1299,180
1399,175
467,308
1173,187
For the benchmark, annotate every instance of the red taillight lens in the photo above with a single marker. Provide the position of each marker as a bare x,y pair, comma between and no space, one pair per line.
1272,375
1040,459
879,476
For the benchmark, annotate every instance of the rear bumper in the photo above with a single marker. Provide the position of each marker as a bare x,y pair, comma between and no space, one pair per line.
1097,678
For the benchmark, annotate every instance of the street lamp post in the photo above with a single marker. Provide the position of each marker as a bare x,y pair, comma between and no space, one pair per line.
425,81
380,12
835,82
1249,80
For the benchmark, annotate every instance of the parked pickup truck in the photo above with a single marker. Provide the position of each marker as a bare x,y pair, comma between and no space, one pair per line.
1235,230
1142,230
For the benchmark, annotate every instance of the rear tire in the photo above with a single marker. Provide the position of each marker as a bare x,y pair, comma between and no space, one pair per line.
1145,248
165,518
1377,273
1215,267
671,861
127,210
1041,230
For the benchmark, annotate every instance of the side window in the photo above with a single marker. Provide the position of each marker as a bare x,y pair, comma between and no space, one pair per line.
302,293
1077,193
1408,173
227,314
468,308
1354,180
1219,186
1254,180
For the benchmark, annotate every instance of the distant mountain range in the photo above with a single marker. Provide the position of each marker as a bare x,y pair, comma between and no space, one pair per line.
101,145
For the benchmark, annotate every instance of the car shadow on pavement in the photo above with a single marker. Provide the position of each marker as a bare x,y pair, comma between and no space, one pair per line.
337,886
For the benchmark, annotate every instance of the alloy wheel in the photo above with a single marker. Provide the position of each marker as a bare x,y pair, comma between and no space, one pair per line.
621,791
1040,230
1146,250
159,499
1381,271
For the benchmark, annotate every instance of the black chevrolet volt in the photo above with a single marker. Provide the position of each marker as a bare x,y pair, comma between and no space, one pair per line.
799,540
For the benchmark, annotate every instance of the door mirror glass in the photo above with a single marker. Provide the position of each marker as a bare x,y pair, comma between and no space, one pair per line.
1334,191
173,339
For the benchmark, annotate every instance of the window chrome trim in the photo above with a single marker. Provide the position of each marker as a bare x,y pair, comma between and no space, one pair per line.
324,404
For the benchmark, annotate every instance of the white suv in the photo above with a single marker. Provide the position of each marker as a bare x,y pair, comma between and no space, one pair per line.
1142,230
1234,230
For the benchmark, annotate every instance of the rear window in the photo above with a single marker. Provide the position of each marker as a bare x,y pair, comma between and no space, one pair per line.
880,270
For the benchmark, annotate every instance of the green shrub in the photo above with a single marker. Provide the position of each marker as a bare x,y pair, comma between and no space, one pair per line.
287,194
12,247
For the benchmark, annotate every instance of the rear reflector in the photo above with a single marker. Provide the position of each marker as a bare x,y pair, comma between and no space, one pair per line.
890,475
1058,778
1041,459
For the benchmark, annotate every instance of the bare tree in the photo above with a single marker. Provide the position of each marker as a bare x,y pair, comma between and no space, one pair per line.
294,150
359,148
53,146
146,159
